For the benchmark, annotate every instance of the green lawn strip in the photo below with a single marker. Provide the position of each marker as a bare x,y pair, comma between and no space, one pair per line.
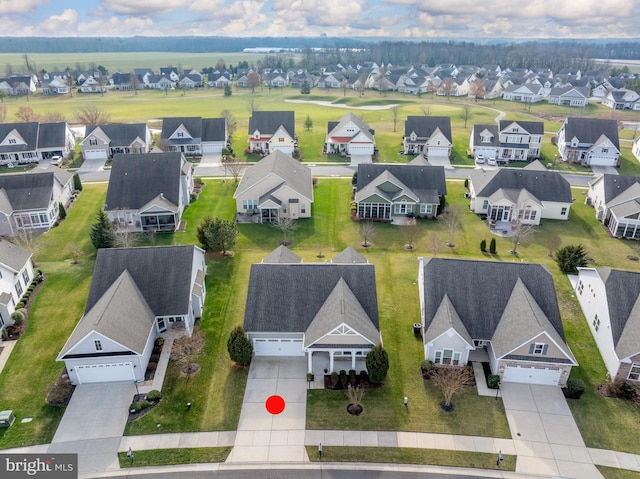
168,457
406,455
615,473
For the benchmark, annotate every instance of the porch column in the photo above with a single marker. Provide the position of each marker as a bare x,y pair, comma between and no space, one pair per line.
309,361
330,361
353,360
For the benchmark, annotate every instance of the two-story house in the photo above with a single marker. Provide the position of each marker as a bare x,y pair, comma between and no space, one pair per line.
429,136
350,136
616,199
272,130
194,136
509,141
589,141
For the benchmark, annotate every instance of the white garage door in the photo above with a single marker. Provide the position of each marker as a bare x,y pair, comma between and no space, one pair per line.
105,373
361,149
278,347
439,152
531,375
95,154
212,148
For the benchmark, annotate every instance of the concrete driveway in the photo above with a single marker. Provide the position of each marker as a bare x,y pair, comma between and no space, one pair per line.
265,437
545,435
93,424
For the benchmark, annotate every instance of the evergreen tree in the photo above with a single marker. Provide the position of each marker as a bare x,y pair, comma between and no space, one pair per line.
227,90
492,246
377,364
216,234
62,213
305,89
483,245
102,233
239,347
570,258
77,184
308,123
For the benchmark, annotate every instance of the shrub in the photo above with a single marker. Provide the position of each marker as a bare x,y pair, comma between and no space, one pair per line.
20,305
570,258
493,381
139,405
466,182
483,245
154,395
343,378
159,341
5,334
364,376
151,366
426,367
239,347
155,357
576,388
492,246
352,377
334,378
59,392
377,363
77,184
17,317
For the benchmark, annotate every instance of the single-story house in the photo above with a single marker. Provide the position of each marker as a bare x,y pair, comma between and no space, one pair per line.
577,96
610,301
30,201
332,320
505,314
349,136
194,135
394,192
527,194
16,274
635,148
272,130
589,141
101,142
135,295
527,93
616,199
622,99
149,191
275,186
428,135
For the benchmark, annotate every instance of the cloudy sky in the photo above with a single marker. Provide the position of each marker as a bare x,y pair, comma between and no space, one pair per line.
344,18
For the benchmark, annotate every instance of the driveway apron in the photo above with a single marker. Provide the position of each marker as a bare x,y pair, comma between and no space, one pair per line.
266,437
545,435
93,424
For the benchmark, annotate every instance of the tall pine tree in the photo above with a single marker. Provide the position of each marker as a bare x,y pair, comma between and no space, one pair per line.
102,233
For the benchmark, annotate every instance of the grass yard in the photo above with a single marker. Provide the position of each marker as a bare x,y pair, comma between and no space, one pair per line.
614,473
169,457
434,457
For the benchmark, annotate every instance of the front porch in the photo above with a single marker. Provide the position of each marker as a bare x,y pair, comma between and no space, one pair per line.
321,363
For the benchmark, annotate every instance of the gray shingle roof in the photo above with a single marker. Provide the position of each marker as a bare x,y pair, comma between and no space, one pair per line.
161,273
544,185
120,134
28,132
28,191
193,125
267,122
478,129
623,299
293,173
532,127
481,290
425,182
13,256
589,130
282,254
614,185
349,256
350,117
214,129
51,135
424,126
121,314
287,297
138,178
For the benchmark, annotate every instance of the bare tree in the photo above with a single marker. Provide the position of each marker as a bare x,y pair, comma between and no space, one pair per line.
253,81
434,242
3,112
232,124
367,231
409,232
233,166
344,84
26,114
477,90
448,87
286,225
26,239
394,111
91,115
521,231
76,254
465,114
426,110
452,218
53,117
450,380
125,238
553,243
185,351
253,105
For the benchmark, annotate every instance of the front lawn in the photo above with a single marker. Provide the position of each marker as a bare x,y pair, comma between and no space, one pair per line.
168,457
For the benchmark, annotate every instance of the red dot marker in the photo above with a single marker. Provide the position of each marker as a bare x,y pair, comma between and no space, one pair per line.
275,404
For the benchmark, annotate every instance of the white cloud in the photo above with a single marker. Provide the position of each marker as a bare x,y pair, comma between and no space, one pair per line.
58,25
323,13
146,8
116,26
14,7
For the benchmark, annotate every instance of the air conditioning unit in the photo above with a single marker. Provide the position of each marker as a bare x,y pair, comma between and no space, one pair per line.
467,195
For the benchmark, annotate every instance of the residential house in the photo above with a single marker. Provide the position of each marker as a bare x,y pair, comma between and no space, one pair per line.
92,85
616,199
589,141
160,82
105,141
505,314
128,81
610,301
32,142
332,320
394,192
194,135
190,81
171,73
526,194
220,79
55,86
298,77
635,148
135,295
30,201
17,85
272,130
622,99
275,186
275,79
331,80
569,96
428,135
149,191
509,141
350,137
526,93
16,274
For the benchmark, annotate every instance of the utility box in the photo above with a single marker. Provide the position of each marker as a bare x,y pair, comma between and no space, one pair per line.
6,418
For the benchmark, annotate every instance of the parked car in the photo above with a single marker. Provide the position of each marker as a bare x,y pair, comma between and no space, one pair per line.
480,159
56,160
492,162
